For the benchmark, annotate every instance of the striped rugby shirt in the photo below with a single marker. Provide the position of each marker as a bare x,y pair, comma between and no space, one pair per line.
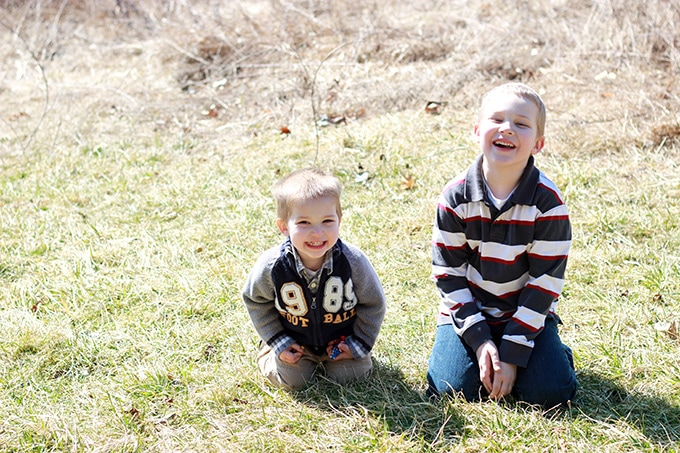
502,266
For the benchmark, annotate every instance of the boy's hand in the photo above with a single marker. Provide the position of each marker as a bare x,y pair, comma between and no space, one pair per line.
497,377
292,355
489,364
344,351
503,381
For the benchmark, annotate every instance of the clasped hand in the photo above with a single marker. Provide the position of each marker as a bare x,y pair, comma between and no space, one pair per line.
293,354
498,378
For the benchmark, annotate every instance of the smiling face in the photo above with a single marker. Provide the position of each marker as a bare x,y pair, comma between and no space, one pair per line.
313,227
507,131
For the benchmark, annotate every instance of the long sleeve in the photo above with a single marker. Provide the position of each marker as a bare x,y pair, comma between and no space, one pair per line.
371,306
259,298
451,255
547,258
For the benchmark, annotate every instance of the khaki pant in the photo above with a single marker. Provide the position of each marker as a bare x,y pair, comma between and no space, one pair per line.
291,377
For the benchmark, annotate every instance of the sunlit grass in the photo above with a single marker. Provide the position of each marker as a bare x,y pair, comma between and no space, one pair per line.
129,224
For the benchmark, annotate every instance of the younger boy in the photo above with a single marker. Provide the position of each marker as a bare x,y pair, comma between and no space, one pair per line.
314,300
500,244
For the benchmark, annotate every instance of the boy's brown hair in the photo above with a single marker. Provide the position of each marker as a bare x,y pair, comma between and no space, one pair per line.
305,185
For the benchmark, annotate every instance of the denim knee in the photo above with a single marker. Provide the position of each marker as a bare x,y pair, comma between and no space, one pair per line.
555,394
451,367
549,378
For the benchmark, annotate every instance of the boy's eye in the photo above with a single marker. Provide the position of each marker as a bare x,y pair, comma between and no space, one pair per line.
329,221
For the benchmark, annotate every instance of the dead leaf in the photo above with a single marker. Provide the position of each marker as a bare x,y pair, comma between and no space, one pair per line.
605,75
670,328
284,130
36,305
356,114
362,177
341,118
408,183
213,111
209,351
435,107
336,118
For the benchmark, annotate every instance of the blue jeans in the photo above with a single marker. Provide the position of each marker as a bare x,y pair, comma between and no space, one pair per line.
548,379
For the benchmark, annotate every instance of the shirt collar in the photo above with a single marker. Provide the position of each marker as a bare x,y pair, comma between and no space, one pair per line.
475,186
299,265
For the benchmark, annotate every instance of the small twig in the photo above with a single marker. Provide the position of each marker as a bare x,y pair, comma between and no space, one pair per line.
313,90
440,431
44,78
186,53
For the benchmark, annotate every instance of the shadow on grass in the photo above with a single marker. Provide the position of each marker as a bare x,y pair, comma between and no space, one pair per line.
387,397
603,400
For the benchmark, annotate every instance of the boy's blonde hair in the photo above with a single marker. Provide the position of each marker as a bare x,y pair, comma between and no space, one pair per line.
305,185
523,91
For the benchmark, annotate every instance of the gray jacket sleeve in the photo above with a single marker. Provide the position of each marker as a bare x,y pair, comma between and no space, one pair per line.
370,310
259,296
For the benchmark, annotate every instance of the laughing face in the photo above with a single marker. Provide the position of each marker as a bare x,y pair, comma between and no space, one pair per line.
313,228
507,131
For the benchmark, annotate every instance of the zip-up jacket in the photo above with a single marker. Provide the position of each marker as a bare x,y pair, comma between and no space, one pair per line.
348,300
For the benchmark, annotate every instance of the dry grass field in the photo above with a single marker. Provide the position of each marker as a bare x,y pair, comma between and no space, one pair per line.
138,143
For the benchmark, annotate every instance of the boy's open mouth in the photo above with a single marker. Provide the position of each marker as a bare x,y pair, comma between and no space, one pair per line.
502,144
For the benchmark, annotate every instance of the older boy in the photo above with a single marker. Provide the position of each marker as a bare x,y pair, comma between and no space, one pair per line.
500,244
314,300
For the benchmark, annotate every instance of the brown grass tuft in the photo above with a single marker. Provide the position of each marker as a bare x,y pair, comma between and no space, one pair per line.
666,135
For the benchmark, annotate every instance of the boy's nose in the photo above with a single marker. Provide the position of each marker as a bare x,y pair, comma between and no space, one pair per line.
505,126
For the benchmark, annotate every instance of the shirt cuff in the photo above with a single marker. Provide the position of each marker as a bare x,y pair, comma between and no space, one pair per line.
282,343
356,347
476,335
514,353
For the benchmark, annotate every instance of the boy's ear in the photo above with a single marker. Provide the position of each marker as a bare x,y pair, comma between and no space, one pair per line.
283,226
475,132
538,146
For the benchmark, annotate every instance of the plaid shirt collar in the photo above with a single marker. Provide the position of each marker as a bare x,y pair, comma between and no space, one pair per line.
300,267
